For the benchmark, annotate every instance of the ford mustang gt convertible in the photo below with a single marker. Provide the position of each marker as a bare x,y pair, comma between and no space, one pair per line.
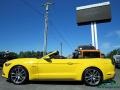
92,71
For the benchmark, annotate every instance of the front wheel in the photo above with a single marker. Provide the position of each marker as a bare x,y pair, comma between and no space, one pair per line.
92,76
18,75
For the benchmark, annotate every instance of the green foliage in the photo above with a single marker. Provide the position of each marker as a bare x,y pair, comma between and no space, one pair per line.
8,56
30,54
11,55
26,54
2,55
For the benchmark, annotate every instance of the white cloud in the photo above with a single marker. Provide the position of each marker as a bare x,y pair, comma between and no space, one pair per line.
114,33
106,45
118,33
109,34
116,46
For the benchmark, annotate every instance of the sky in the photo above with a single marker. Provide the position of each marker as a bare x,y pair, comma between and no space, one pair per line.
22,26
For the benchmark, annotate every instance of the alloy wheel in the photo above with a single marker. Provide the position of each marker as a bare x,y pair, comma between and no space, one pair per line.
18,75
92,77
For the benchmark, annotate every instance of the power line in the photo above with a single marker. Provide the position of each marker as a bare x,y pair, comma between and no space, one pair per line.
61,35
32,7
28,4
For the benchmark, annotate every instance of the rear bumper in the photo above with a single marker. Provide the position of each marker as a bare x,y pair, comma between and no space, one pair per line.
109,75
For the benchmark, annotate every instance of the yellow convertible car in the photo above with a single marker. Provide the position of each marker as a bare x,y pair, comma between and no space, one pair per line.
92,71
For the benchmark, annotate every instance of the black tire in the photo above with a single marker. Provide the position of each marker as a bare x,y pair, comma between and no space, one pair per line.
18,75
92,76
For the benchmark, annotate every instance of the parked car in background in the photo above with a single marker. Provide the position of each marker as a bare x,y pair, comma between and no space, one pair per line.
2,58
87,51
6,56
86,47
117,60
2,61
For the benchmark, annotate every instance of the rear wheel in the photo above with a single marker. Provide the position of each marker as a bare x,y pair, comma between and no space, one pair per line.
18,75
92,76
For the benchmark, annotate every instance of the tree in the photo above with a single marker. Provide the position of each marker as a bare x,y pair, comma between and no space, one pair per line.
11,55
30,54
8,56
2,55
112,53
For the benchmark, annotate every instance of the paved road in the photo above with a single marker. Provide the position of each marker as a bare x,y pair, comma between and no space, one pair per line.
112,85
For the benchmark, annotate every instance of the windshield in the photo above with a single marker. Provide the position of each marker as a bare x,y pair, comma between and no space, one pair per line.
55,55
52,54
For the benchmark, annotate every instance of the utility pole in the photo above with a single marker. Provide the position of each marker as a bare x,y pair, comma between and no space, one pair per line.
46,27
61,48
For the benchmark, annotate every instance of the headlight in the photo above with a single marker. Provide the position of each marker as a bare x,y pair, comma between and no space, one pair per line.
7,64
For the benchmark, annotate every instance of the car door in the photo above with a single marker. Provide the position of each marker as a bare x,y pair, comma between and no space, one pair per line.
57,69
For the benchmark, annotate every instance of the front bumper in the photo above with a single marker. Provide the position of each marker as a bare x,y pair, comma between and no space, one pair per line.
5,71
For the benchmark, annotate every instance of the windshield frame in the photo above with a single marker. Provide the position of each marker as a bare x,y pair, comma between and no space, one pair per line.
50,54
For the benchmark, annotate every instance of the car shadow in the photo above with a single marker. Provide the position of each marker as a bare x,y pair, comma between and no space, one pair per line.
109,84
56,82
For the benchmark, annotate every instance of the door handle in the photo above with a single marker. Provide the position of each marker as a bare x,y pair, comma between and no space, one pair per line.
70,63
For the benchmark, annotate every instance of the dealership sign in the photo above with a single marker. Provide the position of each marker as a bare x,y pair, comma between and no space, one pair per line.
93,14
98,13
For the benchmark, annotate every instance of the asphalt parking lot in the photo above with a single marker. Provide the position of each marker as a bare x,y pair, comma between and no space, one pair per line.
44,85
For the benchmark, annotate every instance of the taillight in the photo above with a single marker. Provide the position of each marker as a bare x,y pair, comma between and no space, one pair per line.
113,61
